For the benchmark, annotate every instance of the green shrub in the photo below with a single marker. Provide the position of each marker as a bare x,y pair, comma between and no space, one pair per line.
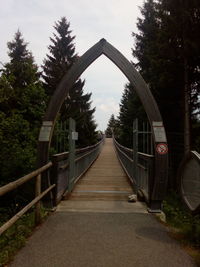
15,237
179,217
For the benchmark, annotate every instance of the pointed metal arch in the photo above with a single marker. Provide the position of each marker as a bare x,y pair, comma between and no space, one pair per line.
141,88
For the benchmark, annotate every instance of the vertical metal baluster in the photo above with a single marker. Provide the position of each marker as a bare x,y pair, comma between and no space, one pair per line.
147,135
71,154
38,205
143,137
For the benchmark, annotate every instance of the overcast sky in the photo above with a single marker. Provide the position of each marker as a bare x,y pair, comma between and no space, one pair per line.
90,21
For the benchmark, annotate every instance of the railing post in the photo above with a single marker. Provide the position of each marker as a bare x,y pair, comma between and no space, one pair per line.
54,178
135,151
38,205
72,125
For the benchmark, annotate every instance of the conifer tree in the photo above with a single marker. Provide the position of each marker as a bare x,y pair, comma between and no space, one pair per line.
77,105
181,27
130,109
166,49
61,58
163,71
112,123
159,65
22,105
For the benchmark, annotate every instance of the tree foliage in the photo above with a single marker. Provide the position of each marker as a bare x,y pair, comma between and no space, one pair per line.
130,109
181,25
111,127
159,66
57,63
166,48
61,56
22,100
167,51
78,106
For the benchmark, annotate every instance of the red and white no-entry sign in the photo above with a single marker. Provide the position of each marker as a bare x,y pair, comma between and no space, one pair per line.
162,148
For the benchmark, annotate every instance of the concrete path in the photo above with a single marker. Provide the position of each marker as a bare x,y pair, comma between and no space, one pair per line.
97,227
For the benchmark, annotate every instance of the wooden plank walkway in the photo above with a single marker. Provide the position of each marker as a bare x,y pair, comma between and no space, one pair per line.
105,187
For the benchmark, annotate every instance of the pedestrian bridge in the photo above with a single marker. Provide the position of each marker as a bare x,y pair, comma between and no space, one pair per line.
94,225
104,188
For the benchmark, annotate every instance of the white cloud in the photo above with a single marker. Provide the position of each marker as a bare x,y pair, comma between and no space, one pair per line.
105,107
109,106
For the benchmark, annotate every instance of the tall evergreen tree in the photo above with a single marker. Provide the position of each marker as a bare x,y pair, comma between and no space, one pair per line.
180,20
61,58
130,109
111,126
77,105
166,49
22,100
159,66
162,70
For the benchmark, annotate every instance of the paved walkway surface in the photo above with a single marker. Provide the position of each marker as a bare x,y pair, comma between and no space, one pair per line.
97,227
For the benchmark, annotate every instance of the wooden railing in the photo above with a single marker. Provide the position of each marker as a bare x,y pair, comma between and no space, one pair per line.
36,201
59,170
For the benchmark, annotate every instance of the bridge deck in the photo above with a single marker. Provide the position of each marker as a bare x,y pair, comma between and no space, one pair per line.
97,227
106,179
105,187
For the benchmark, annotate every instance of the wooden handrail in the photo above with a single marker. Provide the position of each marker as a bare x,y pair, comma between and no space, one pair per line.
64,155
145,155
17,216
80,150
13,185
38,195
131,160
85,155
90,148
125,148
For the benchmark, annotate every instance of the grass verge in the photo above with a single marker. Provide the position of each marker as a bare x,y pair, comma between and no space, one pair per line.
15,237
184,227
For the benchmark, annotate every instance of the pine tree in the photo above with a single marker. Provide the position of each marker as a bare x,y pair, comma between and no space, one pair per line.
77,105
111,126
61,58
79,108
180,26
130,109
159,66
146,47
166,48
22,100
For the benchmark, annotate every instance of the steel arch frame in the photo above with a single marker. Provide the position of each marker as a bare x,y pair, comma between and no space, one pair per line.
105,48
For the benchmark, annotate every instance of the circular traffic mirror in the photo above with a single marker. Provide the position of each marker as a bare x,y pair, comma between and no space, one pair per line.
189,177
